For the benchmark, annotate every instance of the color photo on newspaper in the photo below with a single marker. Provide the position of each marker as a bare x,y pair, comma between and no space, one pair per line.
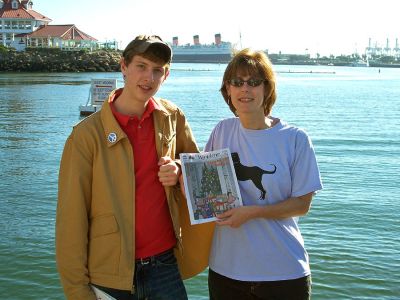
211,185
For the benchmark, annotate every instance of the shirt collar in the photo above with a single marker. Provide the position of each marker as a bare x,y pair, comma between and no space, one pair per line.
124,119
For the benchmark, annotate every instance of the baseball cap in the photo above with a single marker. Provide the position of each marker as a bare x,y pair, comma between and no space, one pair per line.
143,42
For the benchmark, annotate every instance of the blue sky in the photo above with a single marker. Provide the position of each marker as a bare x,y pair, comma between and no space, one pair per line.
308,26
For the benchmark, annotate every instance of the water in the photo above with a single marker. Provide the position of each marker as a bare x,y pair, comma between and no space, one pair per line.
353,116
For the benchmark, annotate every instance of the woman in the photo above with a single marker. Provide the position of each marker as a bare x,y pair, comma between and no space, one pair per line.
258,251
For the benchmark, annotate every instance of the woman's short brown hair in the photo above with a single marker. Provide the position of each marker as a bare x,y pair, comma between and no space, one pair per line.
253,63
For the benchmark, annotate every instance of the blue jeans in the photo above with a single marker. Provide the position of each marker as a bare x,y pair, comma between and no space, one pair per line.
224,288
156,278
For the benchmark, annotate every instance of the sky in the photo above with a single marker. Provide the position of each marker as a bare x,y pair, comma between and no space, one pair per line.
305,27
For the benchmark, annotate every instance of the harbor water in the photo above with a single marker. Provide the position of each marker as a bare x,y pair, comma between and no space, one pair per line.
352,232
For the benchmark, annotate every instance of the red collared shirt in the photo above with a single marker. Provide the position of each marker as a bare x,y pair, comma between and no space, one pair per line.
153,225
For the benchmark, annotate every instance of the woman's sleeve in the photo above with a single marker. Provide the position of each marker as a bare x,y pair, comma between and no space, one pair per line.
306,177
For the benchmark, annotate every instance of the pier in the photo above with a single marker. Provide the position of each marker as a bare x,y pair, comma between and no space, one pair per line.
308,72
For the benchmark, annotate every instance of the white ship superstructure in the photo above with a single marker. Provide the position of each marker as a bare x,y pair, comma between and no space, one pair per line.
218,52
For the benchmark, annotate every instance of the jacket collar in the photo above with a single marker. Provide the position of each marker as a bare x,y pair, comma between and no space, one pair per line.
161,108
112,131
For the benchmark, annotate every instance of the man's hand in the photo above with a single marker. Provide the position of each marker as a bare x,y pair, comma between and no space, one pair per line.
182,185
169,171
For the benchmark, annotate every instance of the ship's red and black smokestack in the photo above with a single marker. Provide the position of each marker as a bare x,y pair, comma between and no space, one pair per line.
196,40
218,39
175,41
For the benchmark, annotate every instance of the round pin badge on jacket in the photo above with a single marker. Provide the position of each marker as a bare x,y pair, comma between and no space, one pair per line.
112,137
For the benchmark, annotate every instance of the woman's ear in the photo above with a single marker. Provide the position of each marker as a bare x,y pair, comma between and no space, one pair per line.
228,89
268,90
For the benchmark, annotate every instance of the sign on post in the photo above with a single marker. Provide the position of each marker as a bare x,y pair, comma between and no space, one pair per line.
101,88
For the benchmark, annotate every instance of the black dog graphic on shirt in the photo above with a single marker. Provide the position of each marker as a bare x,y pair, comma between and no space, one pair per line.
254,174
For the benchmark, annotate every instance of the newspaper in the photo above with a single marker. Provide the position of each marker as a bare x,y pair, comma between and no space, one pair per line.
100,295
211,185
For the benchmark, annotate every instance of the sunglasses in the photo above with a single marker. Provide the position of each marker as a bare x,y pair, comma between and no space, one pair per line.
251,82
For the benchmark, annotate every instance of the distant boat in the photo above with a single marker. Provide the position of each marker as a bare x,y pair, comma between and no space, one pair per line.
359,63
98,93
217,52
378,64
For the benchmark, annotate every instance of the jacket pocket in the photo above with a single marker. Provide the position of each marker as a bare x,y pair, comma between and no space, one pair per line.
103,225
104,247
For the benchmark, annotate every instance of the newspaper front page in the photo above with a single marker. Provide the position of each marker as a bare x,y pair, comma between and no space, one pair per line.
211,185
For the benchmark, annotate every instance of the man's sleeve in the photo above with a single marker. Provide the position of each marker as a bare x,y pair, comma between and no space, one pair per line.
74,192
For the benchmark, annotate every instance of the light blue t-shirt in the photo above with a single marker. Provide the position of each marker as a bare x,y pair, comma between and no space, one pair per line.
274,165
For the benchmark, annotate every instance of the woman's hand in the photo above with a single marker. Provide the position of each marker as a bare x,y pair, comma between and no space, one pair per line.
237,216
292,207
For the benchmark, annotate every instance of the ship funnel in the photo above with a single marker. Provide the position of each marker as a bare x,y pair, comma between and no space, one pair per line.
196,40
175,41
218,39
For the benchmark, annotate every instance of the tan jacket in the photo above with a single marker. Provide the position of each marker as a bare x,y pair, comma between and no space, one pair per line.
96,203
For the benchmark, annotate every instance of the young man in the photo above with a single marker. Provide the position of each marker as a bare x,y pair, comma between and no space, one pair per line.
120,216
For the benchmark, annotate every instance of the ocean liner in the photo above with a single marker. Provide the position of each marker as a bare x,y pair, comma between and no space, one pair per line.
217,52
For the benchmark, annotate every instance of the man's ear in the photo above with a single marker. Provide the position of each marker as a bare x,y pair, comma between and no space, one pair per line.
166,75
122,65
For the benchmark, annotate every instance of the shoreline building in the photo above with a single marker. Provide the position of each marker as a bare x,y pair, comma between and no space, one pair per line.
65,37
22,27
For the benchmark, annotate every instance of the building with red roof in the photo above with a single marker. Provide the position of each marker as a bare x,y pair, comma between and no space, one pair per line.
21,27
67,37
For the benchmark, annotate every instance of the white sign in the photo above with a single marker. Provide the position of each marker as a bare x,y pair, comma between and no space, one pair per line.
101,88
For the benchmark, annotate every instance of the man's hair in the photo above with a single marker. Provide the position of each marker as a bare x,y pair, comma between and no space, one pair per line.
151,47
